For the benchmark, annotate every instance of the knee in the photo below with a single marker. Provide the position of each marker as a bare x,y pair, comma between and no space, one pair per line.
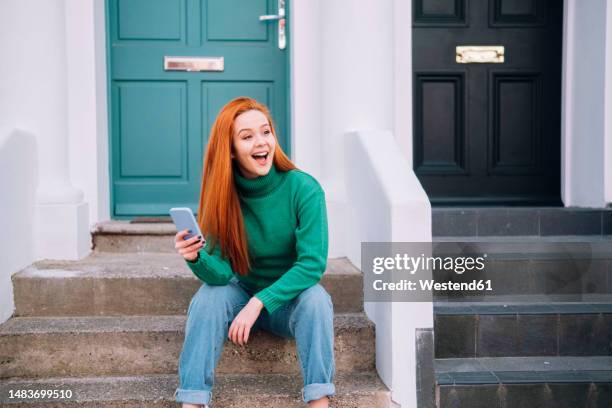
316,302
210,300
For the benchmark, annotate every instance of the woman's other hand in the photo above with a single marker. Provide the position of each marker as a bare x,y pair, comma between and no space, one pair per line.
189,248
244,321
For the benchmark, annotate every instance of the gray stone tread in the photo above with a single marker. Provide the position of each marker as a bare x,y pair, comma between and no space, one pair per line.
533,363
534,307
525,239
231,390
518,370
138,265
443,208
521,221
105,324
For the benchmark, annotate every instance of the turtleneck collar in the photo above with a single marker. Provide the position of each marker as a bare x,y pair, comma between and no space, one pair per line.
259,186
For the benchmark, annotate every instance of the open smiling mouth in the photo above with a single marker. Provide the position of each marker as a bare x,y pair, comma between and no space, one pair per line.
260,158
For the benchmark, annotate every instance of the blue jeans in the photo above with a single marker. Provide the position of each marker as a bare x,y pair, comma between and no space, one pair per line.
308,318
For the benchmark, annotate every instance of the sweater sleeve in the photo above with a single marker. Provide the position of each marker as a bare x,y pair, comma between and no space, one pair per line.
212,268
311,248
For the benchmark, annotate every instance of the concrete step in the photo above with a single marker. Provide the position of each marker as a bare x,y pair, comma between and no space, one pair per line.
486,329
126,236
231,390
140,284
524,382
508,221
135,345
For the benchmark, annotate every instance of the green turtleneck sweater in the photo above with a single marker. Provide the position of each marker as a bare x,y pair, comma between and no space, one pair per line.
286,225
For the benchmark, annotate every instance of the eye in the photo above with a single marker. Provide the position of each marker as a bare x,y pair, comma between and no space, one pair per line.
246,137
267,132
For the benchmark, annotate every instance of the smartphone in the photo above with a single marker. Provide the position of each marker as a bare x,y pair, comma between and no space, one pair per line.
184,220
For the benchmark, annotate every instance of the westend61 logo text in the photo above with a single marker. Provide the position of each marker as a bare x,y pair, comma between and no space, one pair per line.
413,264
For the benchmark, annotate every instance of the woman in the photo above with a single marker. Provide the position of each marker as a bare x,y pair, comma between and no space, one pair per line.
266,250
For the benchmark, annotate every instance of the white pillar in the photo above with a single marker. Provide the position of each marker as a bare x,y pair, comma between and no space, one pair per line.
61,215
38,68
608,108
584,104
356,68
87,104
305,47
402,87
55,186
356,91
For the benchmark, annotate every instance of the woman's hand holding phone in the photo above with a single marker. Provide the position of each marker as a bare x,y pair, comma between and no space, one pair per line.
188,248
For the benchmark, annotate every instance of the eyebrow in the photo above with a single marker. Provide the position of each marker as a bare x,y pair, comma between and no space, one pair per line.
264,125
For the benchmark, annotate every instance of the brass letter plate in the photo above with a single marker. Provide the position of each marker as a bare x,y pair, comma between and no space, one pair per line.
193,64
488,54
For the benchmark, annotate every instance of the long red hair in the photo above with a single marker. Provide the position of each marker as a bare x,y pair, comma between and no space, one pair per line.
219,214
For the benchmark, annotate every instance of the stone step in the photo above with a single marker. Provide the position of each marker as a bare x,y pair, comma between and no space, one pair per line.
231,390
508,221
524,382
126,236
479,329
140,284
569,266
134,345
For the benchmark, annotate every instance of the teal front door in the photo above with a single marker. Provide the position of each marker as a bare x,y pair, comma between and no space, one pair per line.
160,116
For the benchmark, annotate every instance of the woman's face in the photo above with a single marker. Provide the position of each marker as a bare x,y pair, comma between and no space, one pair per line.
253,144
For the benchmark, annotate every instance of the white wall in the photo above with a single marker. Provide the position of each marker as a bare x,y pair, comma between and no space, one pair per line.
584,103
27,94
18,180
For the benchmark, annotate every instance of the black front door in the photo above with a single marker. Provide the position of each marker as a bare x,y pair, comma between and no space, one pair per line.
488,132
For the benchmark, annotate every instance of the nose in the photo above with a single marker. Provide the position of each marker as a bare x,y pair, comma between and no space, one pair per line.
260,139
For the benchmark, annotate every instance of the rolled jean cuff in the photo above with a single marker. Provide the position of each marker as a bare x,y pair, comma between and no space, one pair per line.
199,397
313,392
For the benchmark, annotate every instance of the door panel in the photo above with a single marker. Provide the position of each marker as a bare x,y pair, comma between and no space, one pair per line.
488,132
228,20
515,118
163,134
150,20
443,151
160,119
